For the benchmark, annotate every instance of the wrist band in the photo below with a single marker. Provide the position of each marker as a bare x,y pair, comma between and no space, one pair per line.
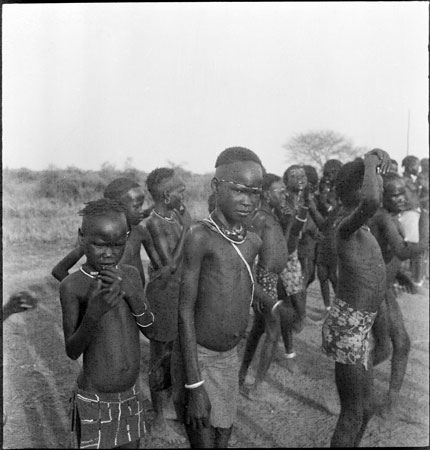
290,355
194,385
301,220
144,326
140,315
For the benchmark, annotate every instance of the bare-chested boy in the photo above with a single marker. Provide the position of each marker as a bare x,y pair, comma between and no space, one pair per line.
272,259
296,182
167,226
387,230
103,309
360,291
133,197
216,293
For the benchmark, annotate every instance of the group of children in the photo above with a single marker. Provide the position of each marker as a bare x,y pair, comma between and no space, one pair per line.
258,249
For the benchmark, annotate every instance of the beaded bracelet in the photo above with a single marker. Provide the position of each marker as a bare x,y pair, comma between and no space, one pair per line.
140,315
194,385
301,220
144,326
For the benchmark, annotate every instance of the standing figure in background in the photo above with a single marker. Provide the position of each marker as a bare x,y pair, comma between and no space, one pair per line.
389,324
168,225
423,187
306,248
272,259
411,216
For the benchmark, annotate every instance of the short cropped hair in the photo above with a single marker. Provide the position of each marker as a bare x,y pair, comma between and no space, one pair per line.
408,160
268,180
102,206
289,169
311,174
156,178
389,177
349,180
235,154
119,187
332,164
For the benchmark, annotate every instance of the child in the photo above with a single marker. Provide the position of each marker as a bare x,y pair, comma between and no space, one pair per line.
306,248
360,290
216,292
326,248
409,218
296,182
272,259
132,195
167,226
103,309
387,230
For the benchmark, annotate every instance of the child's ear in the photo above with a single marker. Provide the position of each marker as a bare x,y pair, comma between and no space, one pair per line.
80,237
214,185
166,196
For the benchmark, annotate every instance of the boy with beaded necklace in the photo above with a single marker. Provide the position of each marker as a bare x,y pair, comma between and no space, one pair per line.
216,292
104,308
167,226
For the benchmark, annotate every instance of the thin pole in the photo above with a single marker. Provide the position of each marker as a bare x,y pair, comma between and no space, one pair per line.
407,135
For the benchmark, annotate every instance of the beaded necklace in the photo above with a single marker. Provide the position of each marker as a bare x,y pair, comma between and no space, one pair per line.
167,219
92,275
235,236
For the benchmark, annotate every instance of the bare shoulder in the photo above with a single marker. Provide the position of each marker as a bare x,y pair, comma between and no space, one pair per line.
74,285
254,239
129,270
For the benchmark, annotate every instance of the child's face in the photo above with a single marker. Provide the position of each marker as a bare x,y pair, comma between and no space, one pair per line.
238,188
276,194
331,173
297,180
176,194
133,200
395,196
104,238
413,167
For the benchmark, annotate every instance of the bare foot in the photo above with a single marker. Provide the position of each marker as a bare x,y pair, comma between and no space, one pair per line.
292,366
253,393
166,433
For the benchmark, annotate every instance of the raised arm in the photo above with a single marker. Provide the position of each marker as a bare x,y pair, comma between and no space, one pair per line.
61,270
199,406
370,193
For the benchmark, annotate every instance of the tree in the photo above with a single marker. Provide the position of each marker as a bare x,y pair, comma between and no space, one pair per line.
316,147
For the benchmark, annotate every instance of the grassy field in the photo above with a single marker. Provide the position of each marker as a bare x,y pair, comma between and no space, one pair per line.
42,206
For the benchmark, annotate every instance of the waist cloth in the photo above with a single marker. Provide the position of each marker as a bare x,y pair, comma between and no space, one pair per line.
220,371
291,276
268,280
106,420
346,334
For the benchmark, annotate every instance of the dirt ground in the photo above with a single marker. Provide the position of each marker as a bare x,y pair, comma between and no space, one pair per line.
38,376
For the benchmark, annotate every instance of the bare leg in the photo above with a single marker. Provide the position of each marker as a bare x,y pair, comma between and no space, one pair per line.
298,300
401,347
251,345
354,385
159,381
222,436
322,272
381,335
202,437
332,275
286,314
267,351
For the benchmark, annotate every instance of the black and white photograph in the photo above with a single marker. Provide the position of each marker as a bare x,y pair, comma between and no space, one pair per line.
215,224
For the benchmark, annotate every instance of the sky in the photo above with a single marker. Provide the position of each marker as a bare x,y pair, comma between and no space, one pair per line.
155,84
